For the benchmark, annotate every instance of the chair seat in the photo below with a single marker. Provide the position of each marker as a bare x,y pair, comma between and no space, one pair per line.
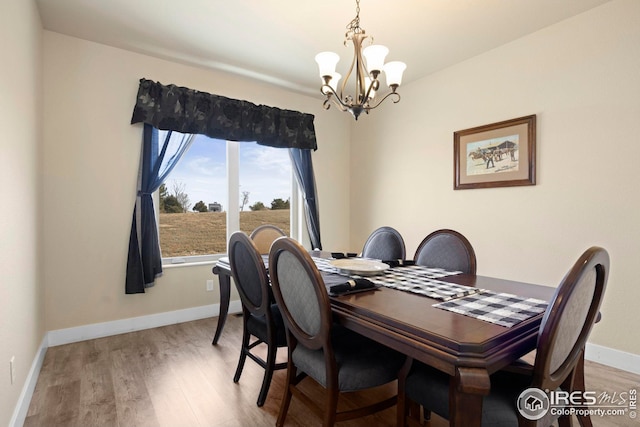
362,363
429,387
257,326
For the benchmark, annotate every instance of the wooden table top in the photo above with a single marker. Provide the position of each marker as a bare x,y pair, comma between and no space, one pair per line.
409,323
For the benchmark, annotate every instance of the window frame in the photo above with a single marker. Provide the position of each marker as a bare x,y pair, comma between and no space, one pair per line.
296,216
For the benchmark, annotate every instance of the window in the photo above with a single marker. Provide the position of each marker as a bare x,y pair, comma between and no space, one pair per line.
217,188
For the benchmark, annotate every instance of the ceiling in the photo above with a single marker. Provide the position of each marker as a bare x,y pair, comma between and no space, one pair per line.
276,40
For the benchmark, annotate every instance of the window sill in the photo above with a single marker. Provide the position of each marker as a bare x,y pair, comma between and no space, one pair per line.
190,261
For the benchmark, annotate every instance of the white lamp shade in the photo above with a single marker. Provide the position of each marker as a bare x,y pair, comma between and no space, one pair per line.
333,83
327,62
375,55
393,70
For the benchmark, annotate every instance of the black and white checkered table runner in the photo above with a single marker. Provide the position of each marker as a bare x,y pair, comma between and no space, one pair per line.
499,308
416,279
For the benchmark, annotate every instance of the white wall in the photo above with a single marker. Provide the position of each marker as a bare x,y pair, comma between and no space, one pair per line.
90,164
21,324
581,78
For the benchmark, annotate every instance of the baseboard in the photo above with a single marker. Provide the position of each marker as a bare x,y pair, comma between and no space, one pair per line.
615,358
99,330
22,406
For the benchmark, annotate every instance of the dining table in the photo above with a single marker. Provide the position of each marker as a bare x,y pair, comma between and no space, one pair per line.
467,348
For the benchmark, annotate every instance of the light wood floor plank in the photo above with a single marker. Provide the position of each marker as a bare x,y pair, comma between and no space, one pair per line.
133,403
173,376
97,396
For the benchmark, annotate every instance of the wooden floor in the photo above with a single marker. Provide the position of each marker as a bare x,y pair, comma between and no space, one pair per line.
172,376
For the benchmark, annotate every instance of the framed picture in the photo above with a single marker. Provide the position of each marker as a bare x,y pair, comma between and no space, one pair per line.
497,155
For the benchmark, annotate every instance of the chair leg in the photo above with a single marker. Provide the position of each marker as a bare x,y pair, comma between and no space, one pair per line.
272,351
565,421
243,351
402,408
414,412
426,413
578,384
331,407
286,399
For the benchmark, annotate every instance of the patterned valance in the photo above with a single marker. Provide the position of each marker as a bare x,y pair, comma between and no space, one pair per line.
186,110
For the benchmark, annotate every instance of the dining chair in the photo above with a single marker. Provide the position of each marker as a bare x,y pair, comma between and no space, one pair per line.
446,249
384,243
264,235
338,359
261,317
562,336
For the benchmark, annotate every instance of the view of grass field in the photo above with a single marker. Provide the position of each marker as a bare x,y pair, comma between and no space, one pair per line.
204,233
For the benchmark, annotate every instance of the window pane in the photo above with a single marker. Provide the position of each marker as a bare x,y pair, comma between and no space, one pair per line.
265,187
193,202
200,176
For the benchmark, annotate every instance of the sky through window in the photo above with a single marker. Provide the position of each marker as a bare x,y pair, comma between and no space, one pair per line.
265,172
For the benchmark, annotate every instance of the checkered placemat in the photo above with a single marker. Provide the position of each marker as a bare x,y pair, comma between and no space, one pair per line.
324,264
499,308
416,279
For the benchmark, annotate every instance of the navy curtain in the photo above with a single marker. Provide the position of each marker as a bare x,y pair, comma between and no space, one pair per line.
159,156
184,110
303,168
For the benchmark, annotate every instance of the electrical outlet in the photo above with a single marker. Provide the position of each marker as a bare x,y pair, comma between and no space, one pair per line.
12,369
209,285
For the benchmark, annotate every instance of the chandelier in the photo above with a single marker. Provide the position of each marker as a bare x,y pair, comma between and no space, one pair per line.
366,75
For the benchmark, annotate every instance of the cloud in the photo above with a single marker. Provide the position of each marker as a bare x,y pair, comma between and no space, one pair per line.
265,172
204,166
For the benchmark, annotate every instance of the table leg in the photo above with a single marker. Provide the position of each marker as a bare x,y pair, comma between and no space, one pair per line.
465,396
225,295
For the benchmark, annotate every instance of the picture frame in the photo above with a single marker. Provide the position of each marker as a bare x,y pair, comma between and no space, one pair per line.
501,154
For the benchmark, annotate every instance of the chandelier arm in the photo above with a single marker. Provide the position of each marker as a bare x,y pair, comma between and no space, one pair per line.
339,104
375,85
331,94
327,91
345,79
361,91
395,101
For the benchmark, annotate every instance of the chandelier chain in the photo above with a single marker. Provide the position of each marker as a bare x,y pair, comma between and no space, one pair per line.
354,25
